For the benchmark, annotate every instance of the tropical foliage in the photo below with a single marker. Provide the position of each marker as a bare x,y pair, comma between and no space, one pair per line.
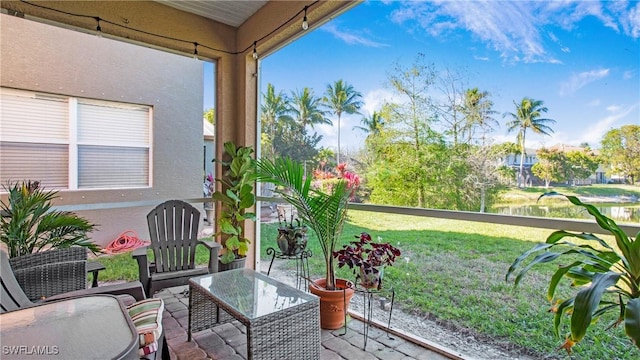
340,98
528,115
274,115
564,167
431,153
236,198
29,224
608,278
621,151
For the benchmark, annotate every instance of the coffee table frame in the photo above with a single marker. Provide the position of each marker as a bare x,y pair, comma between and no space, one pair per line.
291,333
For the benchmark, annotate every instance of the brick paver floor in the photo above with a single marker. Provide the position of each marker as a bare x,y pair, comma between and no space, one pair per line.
228,341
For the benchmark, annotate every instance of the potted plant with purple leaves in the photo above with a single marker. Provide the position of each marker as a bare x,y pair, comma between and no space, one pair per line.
367,259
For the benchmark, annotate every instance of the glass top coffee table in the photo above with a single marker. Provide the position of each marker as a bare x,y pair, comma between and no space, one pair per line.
282,321
92,327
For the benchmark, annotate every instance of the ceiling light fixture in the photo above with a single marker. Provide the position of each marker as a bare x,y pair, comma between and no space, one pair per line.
98,28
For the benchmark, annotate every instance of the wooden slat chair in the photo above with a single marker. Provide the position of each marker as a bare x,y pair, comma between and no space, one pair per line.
173,230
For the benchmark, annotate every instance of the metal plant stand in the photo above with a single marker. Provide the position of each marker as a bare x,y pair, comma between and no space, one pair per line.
367,297
302,265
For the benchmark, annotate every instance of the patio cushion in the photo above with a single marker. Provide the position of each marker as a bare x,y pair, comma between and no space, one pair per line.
147,318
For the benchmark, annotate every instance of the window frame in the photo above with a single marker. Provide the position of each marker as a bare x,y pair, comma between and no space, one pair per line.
142,140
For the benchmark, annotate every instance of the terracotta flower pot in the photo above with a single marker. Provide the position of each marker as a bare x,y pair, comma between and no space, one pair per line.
333,303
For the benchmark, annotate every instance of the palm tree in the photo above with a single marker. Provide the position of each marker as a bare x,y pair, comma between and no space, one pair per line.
306,109
372,125
275,110
342,98
527,116
478,112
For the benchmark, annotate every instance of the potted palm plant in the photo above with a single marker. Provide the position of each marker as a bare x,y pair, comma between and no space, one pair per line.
325,214
236,198
47,248
607,277
29,225
367,259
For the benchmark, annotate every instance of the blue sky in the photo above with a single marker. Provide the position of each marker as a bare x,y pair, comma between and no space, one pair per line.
582,58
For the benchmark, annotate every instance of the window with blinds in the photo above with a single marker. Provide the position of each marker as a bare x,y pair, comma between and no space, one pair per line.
73,143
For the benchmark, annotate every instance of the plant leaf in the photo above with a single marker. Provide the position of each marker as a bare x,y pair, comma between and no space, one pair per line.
586,302
632,320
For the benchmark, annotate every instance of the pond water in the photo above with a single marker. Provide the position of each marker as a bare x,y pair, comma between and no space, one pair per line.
620,212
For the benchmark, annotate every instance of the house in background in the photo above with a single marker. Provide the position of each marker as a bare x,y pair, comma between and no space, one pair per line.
530,158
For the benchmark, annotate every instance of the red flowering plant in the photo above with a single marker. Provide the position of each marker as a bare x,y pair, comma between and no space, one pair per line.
368,258
326,180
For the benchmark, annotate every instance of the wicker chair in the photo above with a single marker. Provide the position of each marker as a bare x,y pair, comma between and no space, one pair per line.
13,297
51,272
173,228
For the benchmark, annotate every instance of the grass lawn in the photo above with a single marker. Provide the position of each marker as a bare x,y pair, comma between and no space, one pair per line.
454,271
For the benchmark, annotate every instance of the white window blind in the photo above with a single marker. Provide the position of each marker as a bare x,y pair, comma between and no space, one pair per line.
47,163
73,143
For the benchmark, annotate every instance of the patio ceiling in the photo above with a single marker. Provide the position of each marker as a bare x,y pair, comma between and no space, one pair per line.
233,13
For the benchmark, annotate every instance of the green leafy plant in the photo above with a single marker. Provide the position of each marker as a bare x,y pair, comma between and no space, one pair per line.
29,224
324,213
292,238
236,197
608,278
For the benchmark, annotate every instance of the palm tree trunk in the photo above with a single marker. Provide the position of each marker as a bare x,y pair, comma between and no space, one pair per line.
522,153
338,152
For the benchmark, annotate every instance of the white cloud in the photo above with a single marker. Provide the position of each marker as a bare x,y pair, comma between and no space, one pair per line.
515,29
374,99
577,81
351,37
613,108
631,21
481,58
594,133
628,75
507,27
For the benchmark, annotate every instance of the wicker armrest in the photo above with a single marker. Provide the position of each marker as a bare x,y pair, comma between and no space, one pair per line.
214,248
